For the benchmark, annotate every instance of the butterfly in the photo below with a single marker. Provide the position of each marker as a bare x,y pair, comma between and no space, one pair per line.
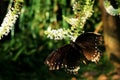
84,49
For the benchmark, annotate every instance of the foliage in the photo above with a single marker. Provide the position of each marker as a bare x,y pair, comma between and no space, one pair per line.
23,54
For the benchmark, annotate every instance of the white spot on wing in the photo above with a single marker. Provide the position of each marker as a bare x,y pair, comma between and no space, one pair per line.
74,71
96,58
57,67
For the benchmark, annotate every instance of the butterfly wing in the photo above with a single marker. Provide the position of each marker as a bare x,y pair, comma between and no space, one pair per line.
67,57
90,43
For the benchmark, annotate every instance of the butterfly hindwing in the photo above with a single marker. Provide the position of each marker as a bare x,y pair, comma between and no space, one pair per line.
85,48
90,43
67,57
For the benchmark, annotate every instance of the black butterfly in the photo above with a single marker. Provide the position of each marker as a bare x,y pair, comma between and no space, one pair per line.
85,48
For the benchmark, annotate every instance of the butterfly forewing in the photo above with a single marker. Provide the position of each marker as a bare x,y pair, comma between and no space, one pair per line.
90,43
85,48
67,57
89,39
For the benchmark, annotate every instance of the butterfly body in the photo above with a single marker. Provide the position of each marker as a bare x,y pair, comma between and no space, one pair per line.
85,48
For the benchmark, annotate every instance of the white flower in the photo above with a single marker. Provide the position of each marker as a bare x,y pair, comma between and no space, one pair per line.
83,13
58,34
110,9
71,21
7,23
10,19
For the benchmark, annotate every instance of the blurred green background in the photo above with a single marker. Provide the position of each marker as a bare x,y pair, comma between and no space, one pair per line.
24,50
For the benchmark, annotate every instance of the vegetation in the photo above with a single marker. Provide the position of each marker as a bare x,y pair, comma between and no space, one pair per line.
24,50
